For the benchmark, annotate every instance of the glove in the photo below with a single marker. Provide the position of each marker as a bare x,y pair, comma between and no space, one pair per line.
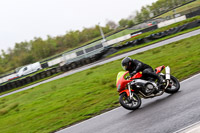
128,77
133,73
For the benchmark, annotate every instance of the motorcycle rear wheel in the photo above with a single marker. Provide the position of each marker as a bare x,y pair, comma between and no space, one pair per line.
133,104
174,86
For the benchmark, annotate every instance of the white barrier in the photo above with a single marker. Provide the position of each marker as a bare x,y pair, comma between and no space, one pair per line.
169,22
4,79
59,60
55,61
70,56
136,34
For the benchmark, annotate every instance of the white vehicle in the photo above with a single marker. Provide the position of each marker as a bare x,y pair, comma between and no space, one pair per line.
29,69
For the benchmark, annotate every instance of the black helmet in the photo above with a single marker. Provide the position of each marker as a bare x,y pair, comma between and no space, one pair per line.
126,63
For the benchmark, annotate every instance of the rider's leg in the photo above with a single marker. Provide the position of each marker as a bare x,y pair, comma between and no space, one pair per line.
150,73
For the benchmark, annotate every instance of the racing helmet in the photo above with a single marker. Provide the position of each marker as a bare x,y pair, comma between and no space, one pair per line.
126,63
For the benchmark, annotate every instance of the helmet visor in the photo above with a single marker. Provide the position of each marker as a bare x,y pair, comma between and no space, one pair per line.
125,67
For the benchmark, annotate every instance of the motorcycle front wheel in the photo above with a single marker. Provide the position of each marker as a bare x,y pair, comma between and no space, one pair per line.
130,104
174,85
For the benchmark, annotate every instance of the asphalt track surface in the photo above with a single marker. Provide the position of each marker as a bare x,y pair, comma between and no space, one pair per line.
103,61
163,114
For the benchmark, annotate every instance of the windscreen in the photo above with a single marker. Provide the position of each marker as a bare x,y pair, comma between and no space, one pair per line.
119,75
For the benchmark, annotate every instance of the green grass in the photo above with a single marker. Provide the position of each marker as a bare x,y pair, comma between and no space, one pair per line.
29,84
80,96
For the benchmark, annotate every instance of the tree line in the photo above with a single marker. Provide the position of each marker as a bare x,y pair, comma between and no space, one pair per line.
150,11
37,49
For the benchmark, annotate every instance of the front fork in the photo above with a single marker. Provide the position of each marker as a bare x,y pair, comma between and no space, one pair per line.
130,94
167,76
167,71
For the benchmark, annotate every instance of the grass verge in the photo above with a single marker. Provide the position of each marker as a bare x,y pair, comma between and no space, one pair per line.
80,96
32,83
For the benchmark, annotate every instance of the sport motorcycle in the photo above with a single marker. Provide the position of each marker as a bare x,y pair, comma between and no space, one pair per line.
132,89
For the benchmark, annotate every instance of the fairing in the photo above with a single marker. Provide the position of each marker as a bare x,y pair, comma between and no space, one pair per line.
122,82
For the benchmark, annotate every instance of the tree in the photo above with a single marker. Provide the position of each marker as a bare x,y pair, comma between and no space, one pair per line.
123,22
138,17
145,13
41,49
71,39
34,50
111,24
130,23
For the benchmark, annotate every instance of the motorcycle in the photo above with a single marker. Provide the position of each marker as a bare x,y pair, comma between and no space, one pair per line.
132,89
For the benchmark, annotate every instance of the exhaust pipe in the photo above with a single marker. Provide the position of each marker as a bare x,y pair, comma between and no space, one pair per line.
154,95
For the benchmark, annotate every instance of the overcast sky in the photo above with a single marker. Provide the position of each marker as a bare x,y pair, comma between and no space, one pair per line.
22,20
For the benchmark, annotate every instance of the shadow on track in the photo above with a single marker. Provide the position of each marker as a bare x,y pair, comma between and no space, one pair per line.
155,102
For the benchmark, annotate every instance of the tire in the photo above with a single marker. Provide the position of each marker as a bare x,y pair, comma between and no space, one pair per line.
125,101
73,65
175,85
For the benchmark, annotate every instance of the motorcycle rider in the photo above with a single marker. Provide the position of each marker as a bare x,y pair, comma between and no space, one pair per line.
134,66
